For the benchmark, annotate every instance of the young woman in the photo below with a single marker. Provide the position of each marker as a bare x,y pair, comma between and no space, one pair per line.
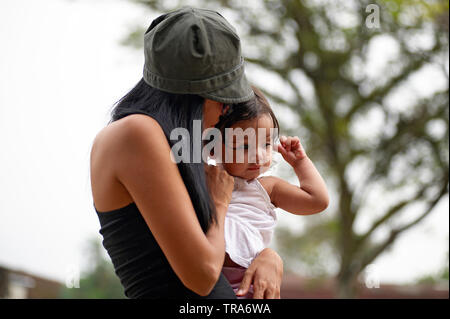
163,223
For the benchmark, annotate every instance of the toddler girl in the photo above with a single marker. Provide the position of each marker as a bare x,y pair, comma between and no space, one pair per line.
251,217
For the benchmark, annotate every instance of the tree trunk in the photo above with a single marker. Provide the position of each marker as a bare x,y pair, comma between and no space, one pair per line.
346,288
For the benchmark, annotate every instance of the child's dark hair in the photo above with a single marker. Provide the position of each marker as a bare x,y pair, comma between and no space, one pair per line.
246,111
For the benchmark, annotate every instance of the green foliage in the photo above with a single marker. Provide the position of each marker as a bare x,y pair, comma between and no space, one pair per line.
418,11
99,281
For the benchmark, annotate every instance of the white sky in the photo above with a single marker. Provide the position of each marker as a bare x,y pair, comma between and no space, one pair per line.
61,69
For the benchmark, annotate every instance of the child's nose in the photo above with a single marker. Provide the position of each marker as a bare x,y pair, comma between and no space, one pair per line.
260,155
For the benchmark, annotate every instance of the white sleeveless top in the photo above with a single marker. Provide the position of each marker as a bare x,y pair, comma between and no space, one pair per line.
249,222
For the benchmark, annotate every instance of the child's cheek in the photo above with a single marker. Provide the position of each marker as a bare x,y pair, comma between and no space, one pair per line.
267,164
234,169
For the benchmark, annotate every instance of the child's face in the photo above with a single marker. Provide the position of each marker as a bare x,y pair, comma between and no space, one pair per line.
257,157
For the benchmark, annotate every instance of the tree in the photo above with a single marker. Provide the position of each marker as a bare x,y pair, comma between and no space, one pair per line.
320,51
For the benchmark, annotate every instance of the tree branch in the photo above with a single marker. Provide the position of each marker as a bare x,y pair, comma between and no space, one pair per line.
418,60
390,146
390,213
372,254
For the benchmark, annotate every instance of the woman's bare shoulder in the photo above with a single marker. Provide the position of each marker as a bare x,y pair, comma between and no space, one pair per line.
135,135
132,131
109,153
127,127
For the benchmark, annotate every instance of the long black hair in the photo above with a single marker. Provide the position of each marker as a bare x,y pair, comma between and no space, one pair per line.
173,111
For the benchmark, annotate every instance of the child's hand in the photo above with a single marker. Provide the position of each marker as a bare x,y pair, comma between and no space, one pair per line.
291,149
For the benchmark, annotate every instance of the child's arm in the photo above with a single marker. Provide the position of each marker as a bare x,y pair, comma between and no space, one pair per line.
312,195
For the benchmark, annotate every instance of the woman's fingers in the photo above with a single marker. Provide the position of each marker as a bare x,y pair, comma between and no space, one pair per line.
270,293
264,289
246,282
259,288
220,184
277,293
266,274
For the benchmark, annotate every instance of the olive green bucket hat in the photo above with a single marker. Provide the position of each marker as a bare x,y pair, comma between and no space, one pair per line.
196,51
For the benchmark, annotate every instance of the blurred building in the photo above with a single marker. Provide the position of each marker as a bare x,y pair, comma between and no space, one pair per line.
21,285
295,287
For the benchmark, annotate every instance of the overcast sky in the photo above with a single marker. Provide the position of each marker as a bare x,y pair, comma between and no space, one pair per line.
61,69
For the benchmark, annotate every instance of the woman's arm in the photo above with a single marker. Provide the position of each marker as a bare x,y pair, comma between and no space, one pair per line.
312,195
143,165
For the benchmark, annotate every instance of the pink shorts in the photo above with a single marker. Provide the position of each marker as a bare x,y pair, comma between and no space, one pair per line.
234,276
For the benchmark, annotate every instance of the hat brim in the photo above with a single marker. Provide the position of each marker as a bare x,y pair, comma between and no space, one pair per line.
238,91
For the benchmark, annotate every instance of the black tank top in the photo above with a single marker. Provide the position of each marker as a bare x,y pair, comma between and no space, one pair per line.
140,263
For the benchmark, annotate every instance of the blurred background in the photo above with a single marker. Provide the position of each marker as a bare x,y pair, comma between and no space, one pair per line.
364,84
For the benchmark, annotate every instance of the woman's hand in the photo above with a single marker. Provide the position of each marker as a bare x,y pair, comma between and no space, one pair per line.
220,185
291,149
266,273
